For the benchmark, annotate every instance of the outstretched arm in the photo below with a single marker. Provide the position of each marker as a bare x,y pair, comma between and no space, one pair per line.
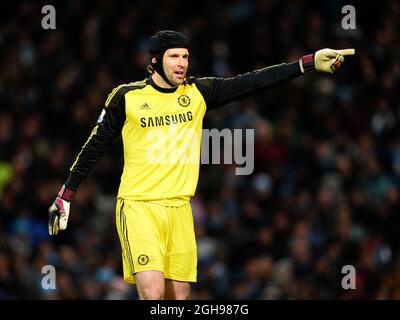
220,91
109,126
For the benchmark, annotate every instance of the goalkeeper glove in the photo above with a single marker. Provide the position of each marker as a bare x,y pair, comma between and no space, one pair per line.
59,211
325,60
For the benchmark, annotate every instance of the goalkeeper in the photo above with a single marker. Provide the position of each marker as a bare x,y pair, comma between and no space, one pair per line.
160,120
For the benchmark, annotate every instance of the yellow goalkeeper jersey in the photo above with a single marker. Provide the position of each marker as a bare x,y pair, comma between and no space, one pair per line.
161,131
161,138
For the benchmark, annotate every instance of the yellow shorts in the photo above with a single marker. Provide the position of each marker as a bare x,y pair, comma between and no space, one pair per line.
157,237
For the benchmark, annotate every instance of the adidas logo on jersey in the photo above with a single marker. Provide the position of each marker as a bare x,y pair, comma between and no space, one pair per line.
145,106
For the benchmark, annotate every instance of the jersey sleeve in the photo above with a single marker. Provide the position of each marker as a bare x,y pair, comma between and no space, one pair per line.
220,91
109,125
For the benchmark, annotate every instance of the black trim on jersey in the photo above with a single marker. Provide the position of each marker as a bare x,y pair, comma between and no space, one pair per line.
121,234
100,141
158,88
220,91
124,232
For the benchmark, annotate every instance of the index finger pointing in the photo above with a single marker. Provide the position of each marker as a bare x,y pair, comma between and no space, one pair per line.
346,52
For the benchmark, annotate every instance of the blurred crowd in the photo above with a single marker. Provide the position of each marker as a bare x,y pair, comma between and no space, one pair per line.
325,190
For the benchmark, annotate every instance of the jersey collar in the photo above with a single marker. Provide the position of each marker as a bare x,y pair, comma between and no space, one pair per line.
158,88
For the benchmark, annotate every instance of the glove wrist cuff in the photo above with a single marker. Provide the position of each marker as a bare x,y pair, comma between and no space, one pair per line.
66,193
308,62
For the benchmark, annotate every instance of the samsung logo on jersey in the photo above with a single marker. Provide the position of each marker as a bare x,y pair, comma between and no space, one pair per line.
166,120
